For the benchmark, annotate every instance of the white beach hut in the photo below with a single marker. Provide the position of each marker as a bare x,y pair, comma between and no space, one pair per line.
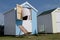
49,21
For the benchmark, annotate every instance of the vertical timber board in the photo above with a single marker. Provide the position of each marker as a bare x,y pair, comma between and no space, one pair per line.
17,30
9,22
34,22
54,22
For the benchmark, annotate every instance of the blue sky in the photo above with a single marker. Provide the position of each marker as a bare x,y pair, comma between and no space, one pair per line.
40,5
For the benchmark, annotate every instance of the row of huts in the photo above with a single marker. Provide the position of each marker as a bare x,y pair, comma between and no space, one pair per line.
49,21
23,19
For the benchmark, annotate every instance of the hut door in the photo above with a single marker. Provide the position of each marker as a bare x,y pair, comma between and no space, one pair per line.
58,21
27,24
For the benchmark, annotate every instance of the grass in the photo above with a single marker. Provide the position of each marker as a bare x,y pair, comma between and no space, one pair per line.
39,37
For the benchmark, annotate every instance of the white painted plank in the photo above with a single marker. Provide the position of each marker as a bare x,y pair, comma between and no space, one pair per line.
27,24
58,27
57,17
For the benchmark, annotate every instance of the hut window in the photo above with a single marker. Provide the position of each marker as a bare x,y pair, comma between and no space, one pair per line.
25,17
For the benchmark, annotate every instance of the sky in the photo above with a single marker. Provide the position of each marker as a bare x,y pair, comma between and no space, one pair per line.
40,5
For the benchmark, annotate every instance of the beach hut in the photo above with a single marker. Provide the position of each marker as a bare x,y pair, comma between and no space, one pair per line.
1,19
21,20
49,21
1,24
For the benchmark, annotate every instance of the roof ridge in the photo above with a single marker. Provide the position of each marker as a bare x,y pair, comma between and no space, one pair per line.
29,5
46,12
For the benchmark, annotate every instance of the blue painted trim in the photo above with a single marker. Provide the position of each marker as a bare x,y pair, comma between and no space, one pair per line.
34,22
18,31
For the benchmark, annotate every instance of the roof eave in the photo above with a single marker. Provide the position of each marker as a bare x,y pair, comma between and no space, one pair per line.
29,5
9,11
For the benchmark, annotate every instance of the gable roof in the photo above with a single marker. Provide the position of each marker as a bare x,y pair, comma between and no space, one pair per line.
21,5
47,12
29,5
